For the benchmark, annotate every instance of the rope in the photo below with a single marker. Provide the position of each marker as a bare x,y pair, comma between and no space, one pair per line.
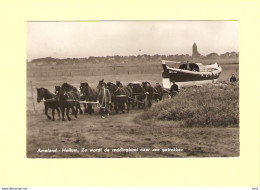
118,96
49,100
85,102
135,99
139,94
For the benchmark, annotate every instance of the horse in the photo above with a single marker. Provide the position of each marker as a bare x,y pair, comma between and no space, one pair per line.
120,96
150,90
104,99
52,101
88,94
66,87
68,98
139,94
57,89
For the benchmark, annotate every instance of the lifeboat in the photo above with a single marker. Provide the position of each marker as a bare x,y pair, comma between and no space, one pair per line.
190,74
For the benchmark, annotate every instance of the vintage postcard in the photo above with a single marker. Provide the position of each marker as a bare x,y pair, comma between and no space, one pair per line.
119,89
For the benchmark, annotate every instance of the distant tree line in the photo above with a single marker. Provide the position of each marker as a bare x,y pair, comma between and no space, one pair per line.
129,59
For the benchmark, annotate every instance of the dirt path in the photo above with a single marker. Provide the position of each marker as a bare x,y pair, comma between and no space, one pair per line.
121,132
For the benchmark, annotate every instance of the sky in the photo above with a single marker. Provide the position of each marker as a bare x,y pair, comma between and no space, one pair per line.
124,38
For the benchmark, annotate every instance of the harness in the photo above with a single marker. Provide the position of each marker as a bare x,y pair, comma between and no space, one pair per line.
49,99
74,98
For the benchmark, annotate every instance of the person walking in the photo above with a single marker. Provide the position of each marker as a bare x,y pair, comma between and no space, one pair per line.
174,89
233,78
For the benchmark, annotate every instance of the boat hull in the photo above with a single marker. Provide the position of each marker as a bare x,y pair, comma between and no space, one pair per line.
185,78
167,84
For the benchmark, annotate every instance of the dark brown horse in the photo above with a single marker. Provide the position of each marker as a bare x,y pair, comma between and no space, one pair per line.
51,101
89,94
66,87
68,97
120,96
139,94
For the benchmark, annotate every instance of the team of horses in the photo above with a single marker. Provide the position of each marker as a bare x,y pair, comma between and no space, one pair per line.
107,96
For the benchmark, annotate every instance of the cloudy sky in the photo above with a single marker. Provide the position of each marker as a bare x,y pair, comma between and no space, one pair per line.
107,38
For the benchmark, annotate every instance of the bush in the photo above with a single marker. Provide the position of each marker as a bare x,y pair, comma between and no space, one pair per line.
212,105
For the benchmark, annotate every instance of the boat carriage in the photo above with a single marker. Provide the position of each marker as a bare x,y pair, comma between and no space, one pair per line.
189,74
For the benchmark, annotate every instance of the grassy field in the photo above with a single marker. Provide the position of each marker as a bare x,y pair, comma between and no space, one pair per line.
122,130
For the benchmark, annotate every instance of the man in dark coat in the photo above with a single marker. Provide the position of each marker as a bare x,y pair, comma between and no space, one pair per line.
101,82
174,89
233,78
149,89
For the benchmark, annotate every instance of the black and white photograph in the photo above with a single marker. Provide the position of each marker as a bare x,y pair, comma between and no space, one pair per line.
132,89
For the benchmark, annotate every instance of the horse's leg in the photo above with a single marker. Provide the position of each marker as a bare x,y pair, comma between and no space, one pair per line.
158,98
68,111
81,112
144,104
123,103
140,104
58,110
112,105
75,110
72,113
151,101
85,108
117,106
53,112
91,109
78,107
136,102
133,103
46,112
88,109
128,105
62,112
122,106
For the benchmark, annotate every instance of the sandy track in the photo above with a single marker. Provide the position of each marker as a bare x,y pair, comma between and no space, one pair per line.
121,131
